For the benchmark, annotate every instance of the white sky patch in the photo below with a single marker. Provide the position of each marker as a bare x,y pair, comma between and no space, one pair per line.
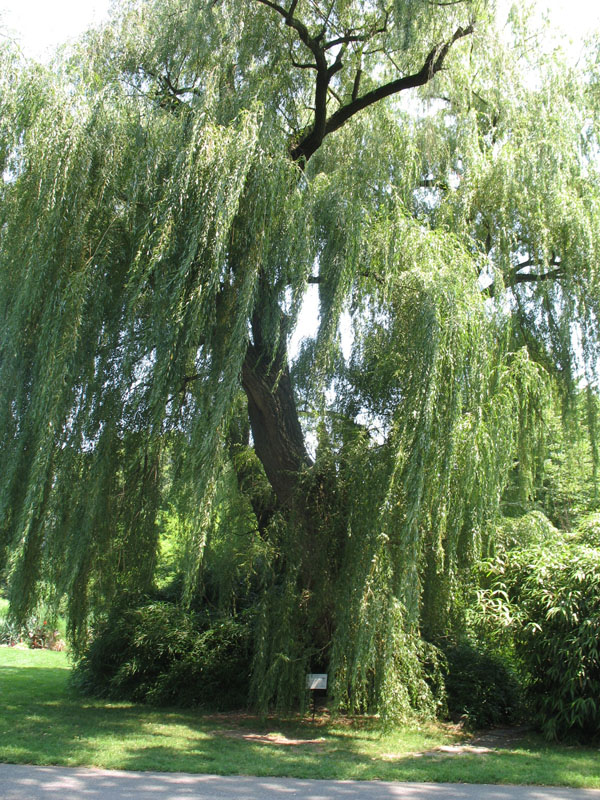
40,26
576,19
308,318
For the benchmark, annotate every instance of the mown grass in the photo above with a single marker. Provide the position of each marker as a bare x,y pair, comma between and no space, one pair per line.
44,722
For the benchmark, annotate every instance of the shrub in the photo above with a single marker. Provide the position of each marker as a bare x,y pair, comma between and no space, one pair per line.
161,654
551,595
480,687
588,530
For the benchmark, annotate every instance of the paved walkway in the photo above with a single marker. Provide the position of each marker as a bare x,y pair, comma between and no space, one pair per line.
58,783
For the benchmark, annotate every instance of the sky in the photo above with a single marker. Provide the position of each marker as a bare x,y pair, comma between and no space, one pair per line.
41,25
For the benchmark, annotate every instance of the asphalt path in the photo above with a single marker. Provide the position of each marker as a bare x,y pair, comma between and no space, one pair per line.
19,782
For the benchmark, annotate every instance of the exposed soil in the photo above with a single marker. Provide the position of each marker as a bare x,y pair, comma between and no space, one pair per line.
267,738
500,738
487,741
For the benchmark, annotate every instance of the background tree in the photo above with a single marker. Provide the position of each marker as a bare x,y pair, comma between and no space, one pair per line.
171,192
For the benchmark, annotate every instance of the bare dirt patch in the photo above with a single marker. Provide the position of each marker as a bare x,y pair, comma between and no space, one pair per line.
267,738
500,738
483,742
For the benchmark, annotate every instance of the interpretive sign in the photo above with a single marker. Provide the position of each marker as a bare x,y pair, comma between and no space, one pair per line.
316,680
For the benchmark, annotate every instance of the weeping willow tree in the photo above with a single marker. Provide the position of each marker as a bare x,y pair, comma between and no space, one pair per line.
173,190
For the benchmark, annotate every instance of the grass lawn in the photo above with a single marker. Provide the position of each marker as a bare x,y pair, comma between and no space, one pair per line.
43,722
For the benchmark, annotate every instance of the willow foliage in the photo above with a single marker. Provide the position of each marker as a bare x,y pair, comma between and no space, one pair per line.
172,190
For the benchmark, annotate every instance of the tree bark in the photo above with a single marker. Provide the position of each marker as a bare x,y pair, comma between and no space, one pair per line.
276,431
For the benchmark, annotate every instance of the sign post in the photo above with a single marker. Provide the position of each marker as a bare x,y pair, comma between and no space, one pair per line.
314,681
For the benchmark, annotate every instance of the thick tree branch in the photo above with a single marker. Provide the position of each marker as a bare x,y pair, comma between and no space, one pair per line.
534,277
324,71
319,279
322,125
432,64
515,277
553,262
302,66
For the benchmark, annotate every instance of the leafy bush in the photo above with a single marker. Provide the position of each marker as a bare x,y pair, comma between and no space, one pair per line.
588,530
549,594
161,654
480,687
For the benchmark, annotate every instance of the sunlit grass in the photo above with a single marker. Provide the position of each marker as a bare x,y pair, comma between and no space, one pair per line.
44,722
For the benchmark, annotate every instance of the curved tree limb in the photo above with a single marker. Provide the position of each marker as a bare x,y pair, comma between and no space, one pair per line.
432,65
